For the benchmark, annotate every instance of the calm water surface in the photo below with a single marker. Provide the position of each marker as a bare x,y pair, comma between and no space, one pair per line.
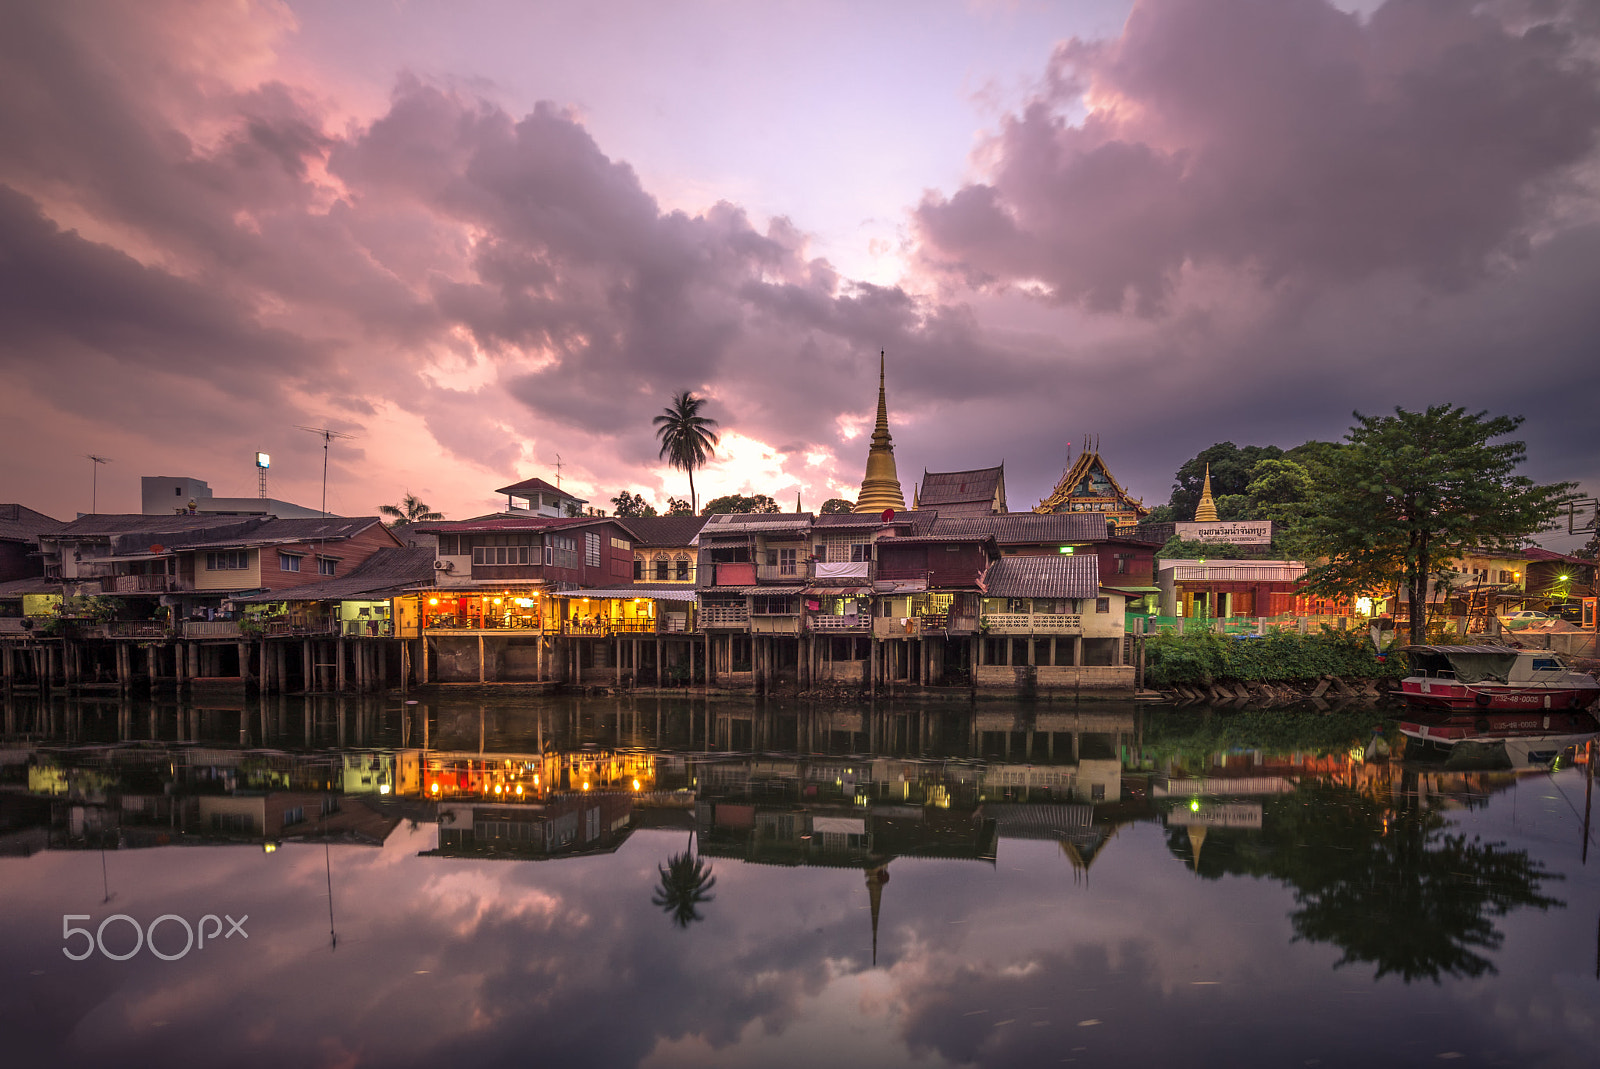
785,886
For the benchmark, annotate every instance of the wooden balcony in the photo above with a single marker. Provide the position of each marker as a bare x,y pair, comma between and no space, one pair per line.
201,629
140,584
14,625
136,629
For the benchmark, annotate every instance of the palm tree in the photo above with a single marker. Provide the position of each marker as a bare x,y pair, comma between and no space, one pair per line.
410,510
686,437
685,881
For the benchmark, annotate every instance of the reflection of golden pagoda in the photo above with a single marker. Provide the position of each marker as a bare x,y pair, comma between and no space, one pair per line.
880,489
876,878
1088,486
1206,511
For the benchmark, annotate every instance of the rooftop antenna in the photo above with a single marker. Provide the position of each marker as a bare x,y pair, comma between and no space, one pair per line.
94,481
327,435
558,471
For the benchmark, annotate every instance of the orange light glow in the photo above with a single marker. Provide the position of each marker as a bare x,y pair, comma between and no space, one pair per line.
435,788
585,784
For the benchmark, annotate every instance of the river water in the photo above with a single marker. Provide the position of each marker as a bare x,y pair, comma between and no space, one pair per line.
727,883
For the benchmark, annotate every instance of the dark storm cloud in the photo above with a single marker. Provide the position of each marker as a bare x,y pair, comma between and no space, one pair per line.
1280,136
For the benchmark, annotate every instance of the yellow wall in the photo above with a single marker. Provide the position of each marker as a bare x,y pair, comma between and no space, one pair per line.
232,579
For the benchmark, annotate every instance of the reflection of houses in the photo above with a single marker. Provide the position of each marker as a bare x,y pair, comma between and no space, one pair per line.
559,825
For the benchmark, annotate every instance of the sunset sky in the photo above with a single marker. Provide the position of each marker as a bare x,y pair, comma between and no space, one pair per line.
478,235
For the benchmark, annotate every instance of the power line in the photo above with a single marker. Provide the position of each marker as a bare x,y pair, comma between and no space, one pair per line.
328,435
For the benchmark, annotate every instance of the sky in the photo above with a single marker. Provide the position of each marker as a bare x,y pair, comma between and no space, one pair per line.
491,240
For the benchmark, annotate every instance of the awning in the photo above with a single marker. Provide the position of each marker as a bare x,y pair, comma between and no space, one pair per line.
840,591
128,557
911,586
1131,589
623,593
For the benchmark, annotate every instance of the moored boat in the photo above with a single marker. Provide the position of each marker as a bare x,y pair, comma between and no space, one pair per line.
1495,679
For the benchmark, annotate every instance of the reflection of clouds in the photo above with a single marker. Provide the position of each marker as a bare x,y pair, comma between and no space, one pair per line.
567,962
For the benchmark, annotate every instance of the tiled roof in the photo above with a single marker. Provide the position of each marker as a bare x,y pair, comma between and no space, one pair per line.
1534,553
110,523
742,523
848,520
1060,576
19,523
537,486
1024,528
964,493
667,531
390,568
16,588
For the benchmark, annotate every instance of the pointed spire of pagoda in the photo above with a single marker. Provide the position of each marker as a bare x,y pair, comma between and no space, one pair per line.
876,878
880,489
1206,511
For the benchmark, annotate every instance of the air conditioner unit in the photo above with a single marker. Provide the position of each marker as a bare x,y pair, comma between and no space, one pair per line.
444,566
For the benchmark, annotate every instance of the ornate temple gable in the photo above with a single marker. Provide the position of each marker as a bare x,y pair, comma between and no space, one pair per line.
1089,486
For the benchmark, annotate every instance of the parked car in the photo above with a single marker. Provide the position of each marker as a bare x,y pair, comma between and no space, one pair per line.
1530,615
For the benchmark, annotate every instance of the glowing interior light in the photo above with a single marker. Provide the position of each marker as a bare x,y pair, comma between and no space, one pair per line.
585,784
433,601
435,788
635,784
1194,805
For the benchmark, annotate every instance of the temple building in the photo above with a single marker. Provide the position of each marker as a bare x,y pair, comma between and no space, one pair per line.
880,489
1088,486
964,493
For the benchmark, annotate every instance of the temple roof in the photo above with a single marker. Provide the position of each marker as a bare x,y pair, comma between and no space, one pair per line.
1089,461
979,492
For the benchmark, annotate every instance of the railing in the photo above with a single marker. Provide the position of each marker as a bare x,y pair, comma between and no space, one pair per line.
829,622
448,622
795,571
211,629
13,625
1032,623
842,570
724,616
933,621
136,629
134,584
609,627
281,628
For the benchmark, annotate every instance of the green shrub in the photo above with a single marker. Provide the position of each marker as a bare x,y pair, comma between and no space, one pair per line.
1200,659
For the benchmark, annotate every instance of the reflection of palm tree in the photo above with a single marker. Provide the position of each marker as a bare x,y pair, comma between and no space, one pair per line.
685,881
686,437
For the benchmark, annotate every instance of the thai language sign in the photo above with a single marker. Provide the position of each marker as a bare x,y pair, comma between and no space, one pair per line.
1236,532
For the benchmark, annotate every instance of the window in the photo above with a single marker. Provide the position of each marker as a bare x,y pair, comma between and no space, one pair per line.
860,552
730,554
682,569
1102,604
288,562
504,549
326,565
297,815
661,569
449,545
591,549
787,562
774,606
1122,560
638,569
561,552
228,560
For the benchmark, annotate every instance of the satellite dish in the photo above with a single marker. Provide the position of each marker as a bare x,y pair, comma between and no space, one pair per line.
157,548
888,515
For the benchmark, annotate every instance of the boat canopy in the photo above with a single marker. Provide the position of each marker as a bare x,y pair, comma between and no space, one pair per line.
1469,664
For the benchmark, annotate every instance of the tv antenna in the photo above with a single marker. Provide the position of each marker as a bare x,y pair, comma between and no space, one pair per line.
327,435
558,471
94,481
1582,514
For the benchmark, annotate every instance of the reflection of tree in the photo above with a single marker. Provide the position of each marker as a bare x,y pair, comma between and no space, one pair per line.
1397,889
685,881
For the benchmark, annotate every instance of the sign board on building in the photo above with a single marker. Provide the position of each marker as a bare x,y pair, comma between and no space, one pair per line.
1215,815
1236,532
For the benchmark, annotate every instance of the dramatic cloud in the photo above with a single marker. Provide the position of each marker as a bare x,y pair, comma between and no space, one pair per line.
1282,136
1237,220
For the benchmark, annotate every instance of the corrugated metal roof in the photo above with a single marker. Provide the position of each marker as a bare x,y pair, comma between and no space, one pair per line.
538,486
1061,576
16,588
1021,528
655,531
737,523
518,523
387,571
19,523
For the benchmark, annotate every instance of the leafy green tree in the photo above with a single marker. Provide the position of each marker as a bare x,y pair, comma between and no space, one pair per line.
835,505
740,503
573,509
411,509
677,506
1395,888
626,504
1185,549
685,883
1409,492
687,437
1231,468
